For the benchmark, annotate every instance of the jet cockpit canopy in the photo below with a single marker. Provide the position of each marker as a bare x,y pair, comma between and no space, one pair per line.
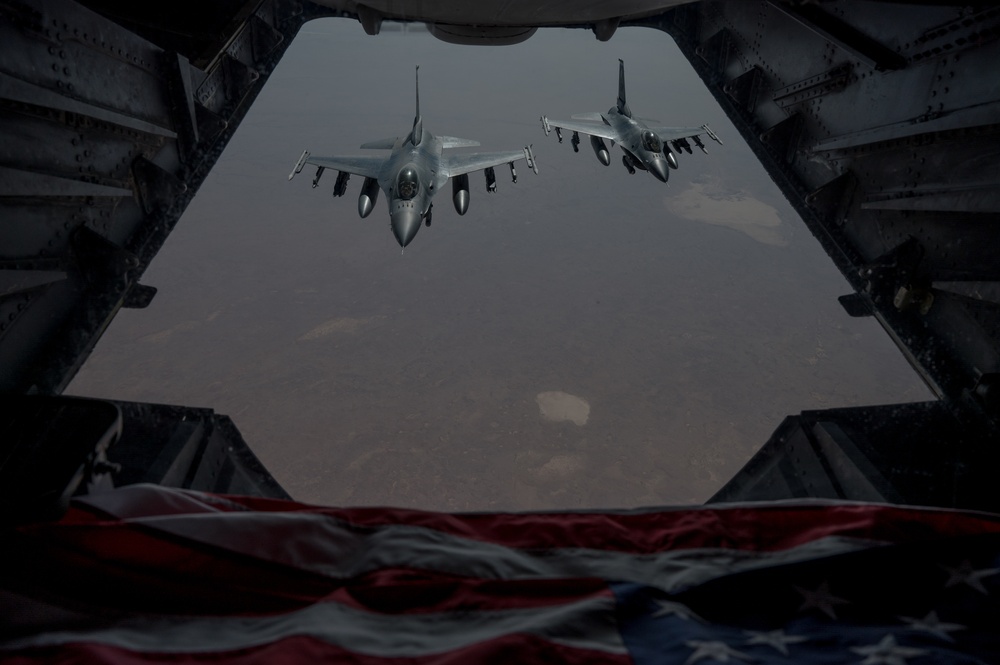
407,183
651,141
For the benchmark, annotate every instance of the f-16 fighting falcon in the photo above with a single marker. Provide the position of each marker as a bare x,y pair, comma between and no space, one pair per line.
646,148
413,172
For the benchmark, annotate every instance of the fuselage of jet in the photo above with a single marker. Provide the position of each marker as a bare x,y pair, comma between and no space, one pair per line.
642,147
645,148
410,178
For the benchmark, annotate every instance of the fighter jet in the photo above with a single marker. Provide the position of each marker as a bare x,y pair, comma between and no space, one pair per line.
413,172
646,148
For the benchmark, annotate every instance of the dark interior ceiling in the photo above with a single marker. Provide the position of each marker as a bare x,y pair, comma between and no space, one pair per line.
878,120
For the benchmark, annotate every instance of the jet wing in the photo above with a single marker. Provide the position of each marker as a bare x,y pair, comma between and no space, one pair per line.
592,116
674,133
453,165
366,167
455,142
593,129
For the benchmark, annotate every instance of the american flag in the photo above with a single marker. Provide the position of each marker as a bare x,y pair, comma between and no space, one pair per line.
147,574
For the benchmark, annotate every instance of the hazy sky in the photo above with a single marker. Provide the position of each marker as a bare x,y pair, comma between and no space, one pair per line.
671,327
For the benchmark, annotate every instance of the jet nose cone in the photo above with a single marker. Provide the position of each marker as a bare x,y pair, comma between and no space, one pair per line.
405,224
658,167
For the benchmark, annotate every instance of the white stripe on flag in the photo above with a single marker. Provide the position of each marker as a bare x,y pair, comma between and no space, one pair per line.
586,624
327,545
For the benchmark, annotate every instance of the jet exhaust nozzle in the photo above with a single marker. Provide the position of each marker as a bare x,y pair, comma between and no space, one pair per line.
460,193
368,198
601,150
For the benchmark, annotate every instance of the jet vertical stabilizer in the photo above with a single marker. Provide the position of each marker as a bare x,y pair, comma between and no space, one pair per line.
418,123
622,104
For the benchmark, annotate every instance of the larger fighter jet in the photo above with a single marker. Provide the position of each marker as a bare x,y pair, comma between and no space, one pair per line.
413,172
646,148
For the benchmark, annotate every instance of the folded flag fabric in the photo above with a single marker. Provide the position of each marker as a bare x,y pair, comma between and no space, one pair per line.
147,574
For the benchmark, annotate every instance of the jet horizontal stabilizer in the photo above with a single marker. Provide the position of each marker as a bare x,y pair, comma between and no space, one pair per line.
455,142
381,144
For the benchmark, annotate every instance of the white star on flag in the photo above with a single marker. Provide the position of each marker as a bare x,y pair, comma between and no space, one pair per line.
717,651
887,652
964,573
667,607
931,624
777,639
820,599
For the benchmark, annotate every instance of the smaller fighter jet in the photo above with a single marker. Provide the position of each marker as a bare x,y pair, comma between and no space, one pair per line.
646,148
413,172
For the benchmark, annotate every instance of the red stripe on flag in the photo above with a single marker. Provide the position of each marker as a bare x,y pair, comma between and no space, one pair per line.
395,591
520,649
134,569
761,527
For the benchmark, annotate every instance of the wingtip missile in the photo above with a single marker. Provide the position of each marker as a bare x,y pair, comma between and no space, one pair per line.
529,158
712,135
299,164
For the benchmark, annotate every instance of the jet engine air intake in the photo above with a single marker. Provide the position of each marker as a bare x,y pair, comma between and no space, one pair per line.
368,198
628,165
460,193
601,150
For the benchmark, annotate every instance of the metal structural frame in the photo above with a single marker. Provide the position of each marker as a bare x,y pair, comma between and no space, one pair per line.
879,121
